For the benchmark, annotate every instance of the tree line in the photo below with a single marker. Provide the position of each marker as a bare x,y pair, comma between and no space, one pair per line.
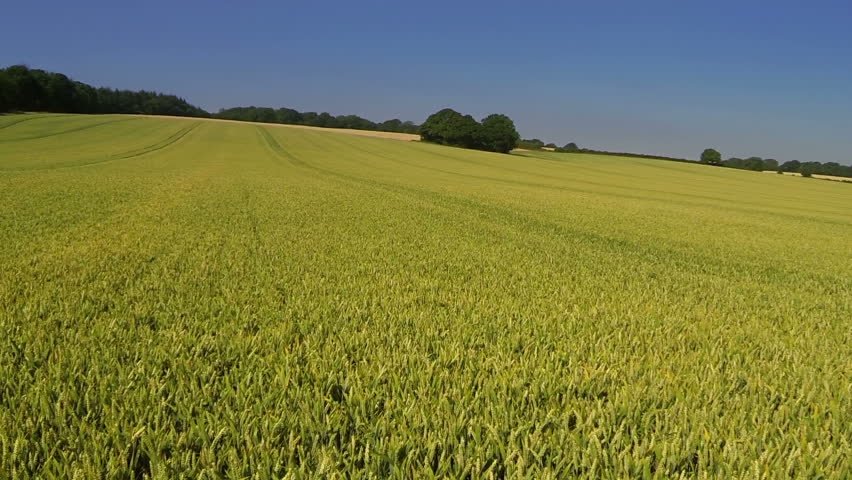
496,132
294,117
23,89
571,147
711,156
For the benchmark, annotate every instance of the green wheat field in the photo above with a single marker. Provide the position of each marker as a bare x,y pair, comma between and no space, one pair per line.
197,299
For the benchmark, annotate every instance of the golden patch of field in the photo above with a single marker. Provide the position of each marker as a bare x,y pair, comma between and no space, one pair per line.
220,299
832,177
821,177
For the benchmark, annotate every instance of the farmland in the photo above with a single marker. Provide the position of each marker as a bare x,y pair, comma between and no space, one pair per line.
183,298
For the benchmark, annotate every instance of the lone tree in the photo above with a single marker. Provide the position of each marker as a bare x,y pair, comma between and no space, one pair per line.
711,157
498,134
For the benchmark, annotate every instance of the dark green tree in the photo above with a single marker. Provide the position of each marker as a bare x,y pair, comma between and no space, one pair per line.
733,162
753,163
266,115
29,92
394,125
354,122
310,118
450,127
325,120
8,92
498,134
288,115
59,93
832,168
711,157
770,164
810,168
791,166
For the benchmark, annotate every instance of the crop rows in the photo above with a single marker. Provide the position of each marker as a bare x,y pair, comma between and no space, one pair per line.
241,301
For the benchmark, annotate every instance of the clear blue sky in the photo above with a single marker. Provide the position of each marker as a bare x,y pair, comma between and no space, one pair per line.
768,78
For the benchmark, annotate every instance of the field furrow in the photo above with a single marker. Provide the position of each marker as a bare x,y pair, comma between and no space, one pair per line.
43,134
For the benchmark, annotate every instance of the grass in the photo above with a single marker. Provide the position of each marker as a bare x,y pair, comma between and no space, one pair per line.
185,299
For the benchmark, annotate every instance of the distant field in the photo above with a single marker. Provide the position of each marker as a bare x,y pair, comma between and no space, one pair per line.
184,298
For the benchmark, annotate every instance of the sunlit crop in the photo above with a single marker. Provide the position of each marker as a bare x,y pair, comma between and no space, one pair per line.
195,299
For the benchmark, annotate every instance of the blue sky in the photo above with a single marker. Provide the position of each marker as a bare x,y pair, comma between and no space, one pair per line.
772,79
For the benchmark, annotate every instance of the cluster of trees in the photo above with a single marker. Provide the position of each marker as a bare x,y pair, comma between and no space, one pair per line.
751,163
816,168
806,169
23,89
324,119
496,132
